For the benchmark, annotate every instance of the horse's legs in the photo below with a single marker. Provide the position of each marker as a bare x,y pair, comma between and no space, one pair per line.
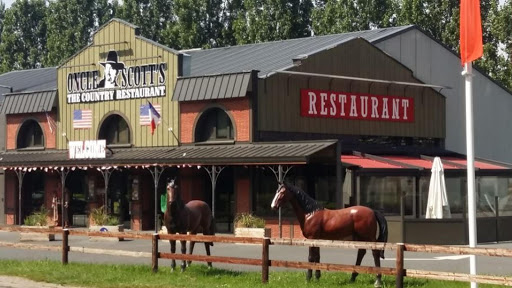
317,260
314,256
360,255
376,259
207,248
183,251
191,250
173,250
309,274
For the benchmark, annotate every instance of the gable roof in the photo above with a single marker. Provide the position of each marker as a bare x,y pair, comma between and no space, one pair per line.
30,80
26,81
278,55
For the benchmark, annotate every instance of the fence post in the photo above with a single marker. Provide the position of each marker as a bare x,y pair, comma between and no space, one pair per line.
154,253
265,260
400,265
65,246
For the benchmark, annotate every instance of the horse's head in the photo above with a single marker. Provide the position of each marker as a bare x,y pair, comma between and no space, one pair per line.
280,197
172,193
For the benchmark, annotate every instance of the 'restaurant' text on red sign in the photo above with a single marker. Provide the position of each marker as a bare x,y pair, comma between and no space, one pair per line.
331,104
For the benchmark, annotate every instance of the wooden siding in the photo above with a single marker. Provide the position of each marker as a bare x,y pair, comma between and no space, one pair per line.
88,59
279,104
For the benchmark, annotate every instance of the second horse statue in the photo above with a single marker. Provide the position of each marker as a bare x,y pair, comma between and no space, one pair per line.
193,217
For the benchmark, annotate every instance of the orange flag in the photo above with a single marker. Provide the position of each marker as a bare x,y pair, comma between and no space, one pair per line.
471,47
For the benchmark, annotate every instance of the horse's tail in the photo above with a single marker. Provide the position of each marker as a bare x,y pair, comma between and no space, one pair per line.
383,229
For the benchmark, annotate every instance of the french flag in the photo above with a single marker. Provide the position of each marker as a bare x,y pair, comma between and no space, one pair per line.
154,116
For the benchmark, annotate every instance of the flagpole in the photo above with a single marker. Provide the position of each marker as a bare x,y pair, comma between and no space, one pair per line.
468,76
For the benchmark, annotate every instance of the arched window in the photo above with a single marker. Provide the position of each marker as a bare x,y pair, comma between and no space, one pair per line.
214,125
115,130
30,135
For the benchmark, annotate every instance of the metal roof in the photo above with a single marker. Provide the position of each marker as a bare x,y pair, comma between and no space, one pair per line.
212,87
369,161
29,102
237,154
30,80
278,55
21,81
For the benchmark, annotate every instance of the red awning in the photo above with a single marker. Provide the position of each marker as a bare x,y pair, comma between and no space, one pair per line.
367,161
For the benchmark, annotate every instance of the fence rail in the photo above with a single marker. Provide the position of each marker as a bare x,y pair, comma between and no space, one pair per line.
265,262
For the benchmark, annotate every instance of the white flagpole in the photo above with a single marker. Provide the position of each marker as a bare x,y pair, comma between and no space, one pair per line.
468,76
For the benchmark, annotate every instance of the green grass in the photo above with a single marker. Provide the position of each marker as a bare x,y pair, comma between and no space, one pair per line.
198,275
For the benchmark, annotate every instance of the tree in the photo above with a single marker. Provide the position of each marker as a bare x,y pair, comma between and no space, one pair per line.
152,16
435,17
270,20
105,10
337,16
23,40
70,25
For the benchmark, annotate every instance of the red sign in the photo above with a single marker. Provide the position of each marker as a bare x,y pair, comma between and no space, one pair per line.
331,104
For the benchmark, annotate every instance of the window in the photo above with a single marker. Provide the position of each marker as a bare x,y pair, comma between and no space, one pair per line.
318,181
214,125
115,130
383,193
30,135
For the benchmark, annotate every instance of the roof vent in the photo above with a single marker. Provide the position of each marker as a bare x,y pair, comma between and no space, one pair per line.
298,60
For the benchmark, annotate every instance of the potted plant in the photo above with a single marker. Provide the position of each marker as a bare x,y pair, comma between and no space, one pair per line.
102,222
37,221
248,225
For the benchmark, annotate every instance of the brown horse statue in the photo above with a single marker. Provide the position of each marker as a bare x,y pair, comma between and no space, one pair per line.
193,217
357,223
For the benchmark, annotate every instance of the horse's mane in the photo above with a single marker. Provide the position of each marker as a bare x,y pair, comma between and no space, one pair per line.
305,201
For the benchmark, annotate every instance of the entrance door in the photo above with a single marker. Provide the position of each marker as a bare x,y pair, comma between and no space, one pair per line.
119,197
2,198
76,184
224,201
32,193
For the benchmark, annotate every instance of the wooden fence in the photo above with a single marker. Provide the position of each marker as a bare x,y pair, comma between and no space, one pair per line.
266,262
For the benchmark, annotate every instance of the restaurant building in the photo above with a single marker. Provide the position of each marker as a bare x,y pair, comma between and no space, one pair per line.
334,115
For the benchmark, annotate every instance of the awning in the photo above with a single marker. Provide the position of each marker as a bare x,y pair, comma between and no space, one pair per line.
236,154
420,162
221,86
29,102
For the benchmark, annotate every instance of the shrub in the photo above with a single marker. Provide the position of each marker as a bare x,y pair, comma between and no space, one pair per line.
99,217
38,218
247,220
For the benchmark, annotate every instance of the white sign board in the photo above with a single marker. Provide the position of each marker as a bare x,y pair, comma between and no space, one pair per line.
88,149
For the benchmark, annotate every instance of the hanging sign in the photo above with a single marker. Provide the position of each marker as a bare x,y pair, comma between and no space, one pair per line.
331,104
89,149
118,82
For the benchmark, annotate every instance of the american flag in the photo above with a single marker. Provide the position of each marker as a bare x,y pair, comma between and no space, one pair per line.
51,123
145,117
82,119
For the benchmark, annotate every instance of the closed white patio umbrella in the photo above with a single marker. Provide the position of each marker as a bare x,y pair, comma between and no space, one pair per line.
437,203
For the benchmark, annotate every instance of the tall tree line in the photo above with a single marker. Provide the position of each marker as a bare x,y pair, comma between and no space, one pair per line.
42,33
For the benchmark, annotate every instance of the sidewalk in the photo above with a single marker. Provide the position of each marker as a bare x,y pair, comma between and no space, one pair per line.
18,282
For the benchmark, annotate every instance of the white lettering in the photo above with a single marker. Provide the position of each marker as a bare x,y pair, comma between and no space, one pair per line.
333,105
323,98
396,105
385,113
405,104
353,106
343,100
375,105
312,102
364,106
